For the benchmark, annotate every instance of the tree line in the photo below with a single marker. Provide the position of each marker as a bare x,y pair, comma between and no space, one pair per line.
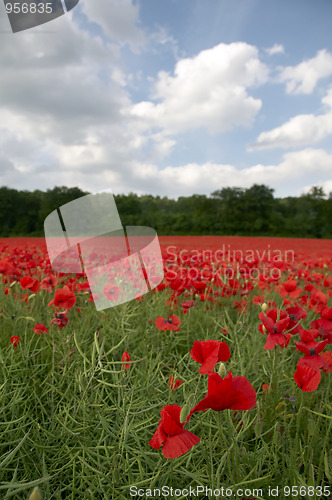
231,211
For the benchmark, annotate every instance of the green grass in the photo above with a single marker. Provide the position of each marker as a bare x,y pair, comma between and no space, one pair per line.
78,426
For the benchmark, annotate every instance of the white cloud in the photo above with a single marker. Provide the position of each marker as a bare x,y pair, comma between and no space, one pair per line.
208,90
67,118
276,49
303,78
118,19
295,171
301,130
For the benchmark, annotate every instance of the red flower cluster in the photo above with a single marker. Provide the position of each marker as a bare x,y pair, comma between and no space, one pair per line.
234,393
280,325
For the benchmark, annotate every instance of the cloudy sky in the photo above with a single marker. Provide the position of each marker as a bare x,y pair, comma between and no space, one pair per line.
169,97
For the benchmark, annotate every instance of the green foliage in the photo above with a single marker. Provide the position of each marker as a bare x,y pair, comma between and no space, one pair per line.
78,426
231,211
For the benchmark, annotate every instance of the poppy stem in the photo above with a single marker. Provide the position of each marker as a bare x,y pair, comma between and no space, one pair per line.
224,444
205,447
221,432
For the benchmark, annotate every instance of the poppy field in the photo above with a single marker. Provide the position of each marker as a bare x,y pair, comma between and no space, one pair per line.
215,384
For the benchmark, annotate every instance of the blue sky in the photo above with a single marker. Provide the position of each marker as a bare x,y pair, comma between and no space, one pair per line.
170,97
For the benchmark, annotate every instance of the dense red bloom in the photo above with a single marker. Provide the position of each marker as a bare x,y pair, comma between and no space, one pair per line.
125,357
111,292
234,393
170,433
15,340
174,384
275,328
63,297
48,283
172,323
307,378
289,288
295,314
60,319
208,353
40,328
28,283
326,313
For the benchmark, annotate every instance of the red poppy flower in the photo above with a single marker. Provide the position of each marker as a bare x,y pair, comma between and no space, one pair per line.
199,285
40,328
327,356
308,335
63,297
187,304
318,299
174,384
125,357
324,329
170,433
15,340
312,357
326,313
234,393
60,319
111,292
172,323
266,388
208,353
289,288
48,283
275,328
307,378
225,330
295,314
28,283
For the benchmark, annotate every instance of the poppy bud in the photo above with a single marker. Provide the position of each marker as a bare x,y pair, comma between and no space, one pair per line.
264,307
12,284
222,370
184,413
31,296
197,296
264,329
35,495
